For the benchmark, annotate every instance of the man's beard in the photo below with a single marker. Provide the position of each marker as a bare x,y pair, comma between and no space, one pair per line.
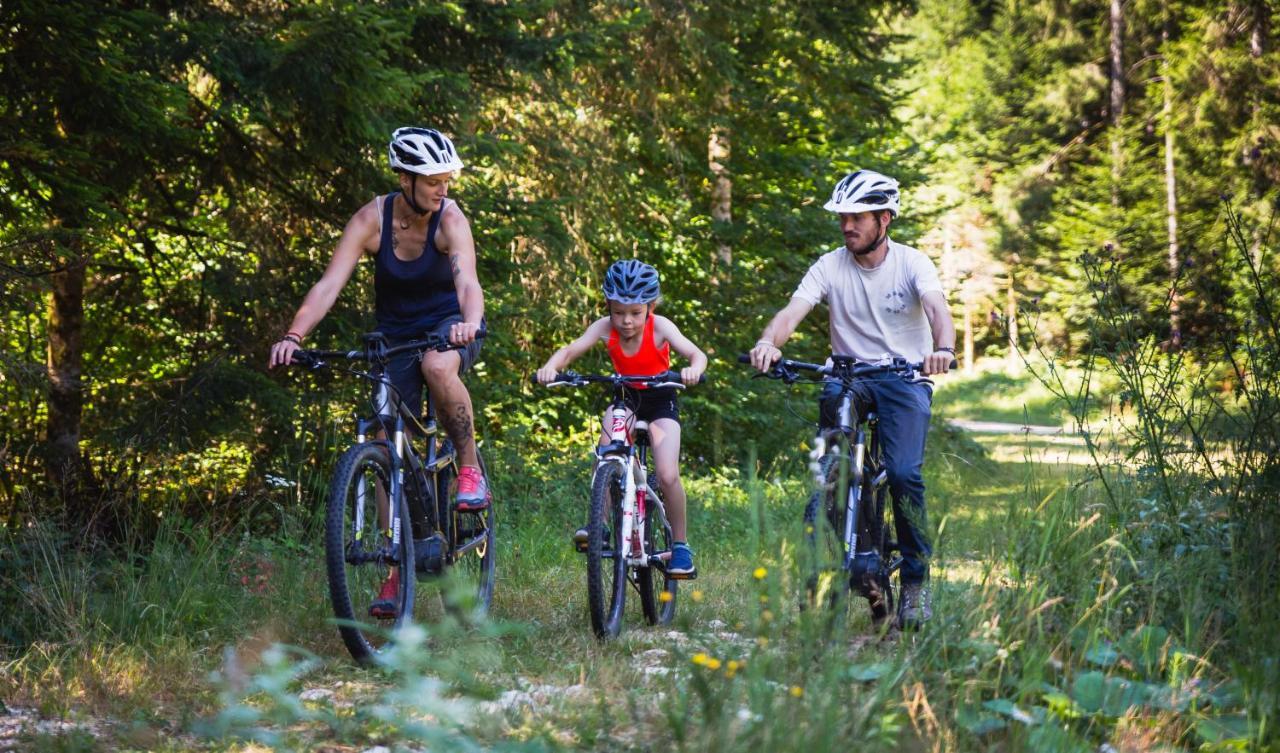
871,246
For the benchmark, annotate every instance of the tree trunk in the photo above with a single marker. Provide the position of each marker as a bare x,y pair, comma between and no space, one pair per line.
1260,29
1171,194
968,336
1013,361
721,189
1117,97
65,366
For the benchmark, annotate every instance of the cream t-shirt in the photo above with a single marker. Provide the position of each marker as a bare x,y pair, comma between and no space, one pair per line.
874,313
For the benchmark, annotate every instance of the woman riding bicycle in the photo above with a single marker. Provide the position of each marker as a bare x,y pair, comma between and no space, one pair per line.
424,283
639,344
885,300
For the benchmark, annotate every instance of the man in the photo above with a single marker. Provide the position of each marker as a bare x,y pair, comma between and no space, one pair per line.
885,301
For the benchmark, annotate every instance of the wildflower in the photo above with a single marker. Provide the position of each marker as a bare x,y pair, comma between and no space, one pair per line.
713,664
766,615
732,668
762,641
760,573
764,598
796,691
696,595
665,596
700,659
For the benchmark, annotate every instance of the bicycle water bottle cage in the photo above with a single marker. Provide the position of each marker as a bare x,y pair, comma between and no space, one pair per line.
375,347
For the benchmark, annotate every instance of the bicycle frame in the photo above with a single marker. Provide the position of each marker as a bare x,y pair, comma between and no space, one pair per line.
864,443
396,422
633,457
638,497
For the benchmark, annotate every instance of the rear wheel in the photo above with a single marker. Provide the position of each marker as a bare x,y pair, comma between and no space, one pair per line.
360,554
879,598
606,560
657,590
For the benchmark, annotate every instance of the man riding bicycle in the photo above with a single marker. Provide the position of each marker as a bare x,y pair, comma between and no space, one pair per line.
884,301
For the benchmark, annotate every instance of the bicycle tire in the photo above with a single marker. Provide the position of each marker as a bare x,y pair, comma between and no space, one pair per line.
361,466
879,527
658,538
477,565
606,567
826,584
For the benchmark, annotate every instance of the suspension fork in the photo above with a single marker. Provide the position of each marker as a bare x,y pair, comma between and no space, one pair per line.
858,453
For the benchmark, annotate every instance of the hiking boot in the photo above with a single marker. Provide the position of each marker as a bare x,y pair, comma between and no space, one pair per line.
680,566
387,606
473,490
581,537
917,606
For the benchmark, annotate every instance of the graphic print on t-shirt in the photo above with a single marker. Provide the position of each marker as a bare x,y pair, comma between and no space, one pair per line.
895,302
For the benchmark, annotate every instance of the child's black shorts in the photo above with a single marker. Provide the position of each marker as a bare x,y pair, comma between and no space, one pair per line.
652,404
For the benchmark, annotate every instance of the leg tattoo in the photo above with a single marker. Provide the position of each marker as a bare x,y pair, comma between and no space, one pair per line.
458,427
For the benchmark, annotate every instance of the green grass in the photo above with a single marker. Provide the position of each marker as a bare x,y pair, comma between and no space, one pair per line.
1047,636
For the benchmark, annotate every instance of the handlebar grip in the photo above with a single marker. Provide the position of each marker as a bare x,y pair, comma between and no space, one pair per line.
744,358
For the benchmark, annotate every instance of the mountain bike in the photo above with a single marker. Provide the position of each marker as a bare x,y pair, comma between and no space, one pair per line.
628,535
846,529
391,505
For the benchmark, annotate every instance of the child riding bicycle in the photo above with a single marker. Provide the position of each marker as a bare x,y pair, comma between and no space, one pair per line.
639,344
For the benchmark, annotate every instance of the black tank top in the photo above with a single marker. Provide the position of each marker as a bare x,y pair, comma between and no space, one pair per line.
412,297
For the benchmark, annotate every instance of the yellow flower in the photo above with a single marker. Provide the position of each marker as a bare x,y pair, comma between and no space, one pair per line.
796,691
700,659
713,664
766,615
733,665
760,573
764,598
696,596
665,596
762,641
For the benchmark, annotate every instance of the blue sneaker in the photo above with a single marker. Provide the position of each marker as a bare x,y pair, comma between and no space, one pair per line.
680,566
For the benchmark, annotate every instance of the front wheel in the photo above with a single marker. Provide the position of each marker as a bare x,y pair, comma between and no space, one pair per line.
606,558
360,555
659,606
826,584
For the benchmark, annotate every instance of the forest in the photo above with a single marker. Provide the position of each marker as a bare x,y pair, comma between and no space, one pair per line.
1097,182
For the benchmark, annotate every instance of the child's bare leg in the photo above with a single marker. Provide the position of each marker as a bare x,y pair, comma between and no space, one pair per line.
664,435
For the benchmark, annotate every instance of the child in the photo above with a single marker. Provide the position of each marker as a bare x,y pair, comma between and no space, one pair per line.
639,343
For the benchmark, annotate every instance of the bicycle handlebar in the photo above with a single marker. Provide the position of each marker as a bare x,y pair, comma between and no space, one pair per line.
574,379
842,367
316,359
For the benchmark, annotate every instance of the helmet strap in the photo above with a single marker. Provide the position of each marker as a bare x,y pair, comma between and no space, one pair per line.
871,249
409,197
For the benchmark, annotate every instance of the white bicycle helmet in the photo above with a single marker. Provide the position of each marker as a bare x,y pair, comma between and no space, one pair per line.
424,151
864,191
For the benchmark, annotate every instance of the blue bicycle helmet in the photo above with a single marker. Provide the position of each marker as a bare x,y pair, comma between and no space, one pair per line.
631,281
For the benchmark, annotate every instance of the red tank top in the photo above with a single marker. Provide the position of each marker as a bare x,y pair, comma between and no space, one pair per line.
647,361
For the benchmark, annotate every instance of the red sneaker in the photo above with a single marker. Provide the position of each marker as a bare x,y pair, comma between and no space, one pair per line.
473,490
387,606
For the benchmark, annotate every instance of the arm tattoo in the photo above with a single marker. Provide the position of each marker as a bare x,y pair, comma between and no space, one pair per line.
453,263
